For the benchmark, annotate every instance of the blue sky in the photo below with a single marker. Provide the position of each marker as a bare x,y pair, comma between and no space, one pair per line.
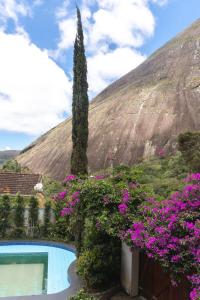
36,42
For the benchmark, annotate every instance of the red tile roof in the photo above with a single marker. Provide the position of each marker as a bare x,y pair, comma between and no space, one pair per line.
13,183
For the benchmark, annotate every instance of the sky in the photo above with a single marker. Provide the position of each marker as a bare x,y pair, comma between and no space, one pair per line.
36,54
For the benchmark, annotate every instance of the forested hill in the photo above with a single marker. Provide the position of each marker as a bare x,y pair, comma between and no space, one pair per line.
7,154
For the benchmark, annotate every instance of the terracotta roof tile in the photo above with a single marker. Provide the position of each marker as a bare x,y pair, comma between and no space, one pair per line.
13,183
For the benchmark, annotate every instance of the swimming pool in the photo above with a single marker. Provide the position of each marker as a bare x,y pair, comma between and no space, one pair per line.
34,269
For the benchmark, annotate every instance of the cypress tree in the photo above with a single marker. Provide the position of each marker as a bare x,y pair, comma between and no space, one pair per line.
80,104
19,216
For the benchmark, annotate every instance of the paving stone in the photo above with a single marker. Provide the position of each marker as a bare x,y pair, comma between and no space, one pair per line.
123,296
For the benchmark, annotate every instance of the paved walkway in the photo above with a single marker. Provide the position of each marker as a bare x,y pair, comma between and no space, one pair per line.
123,296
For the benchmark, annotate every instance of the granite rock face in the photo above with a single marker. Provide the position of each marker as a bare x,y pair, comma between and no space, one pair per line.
143,111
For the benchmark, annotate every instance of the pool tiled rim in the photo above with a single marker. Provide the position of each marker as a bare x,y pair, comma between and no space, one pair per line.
74,280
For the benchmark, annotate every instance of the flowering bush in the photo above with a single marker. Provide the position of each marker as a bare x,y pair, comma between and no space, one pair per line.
69,208
95,214
169,231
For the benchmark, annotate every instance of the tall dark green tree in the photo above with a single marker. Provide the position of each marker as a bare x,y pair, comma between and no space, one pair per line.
19,216
80,104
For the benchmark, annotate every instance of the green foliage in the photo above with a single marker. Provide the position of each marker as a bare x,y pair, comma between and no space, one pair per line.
99,266
92,193
61,229
19,217
99,261
33,216
11,166
92,236
91,223
51,187
189,145
160,177
47,219
99,210
80,104
82,295
33,210
5,210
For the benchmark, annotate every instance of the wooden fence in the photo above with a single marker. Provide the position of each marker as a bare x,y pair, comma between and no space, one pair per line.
154,284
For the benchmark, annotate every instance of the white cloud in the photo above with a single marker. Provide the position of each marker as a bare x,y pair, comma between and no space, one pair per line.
160,2
34,91
125,23
105,67
113,30
68,32
12,9
38,2
5,148
62,11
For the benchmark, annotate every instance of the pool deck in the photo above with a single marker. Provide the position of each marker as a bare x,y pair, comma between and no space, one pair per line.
123,296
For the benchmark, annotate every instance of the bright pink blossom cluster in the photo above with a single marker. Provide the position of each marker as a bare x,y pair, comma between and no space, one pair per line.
60,196
170,231
193,177
123,206
70,206
69,178
195,280
161,152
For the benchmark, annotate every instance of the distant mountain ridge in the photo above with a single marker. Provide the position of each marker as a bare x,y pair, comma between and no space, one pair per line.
143,111
7,154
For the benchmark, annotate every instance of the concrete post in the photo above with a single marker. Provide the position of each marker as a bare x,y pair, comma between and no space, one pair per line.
130,270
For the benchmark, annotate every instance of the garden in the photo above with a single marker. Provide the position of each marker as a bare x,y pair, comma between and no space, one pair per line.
153,206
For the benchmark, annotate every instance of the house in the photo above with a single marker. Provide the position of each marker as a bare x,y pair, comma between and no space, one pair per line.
25,184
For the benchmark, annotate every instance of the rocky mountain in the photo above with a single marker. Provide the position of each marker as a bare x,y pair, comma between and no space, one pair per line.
143,111
7,154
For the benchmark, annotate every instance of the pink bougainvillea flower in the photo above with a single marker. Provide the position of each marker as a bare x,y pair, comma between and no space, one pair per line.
125,196
123,208
66,211
69,178
60,196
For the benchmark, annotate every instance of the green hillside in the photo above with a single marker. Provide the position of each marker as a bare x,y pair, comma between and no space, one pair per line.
7,154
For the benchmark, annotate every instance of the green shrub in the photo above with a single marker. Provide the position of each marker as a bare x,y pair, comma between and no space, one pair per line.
19,217
92,236
165,187
176,167
5,210
51,187
33,216
12,166
61,229
189,145
99,267
47,219
82,295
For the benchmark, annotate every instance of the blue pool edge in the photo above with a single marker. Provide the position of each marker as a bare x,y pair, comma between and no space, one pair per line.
74,280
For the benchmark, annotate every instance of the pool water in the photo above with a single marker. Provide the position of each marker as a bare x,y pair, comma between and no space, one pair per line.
33,269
